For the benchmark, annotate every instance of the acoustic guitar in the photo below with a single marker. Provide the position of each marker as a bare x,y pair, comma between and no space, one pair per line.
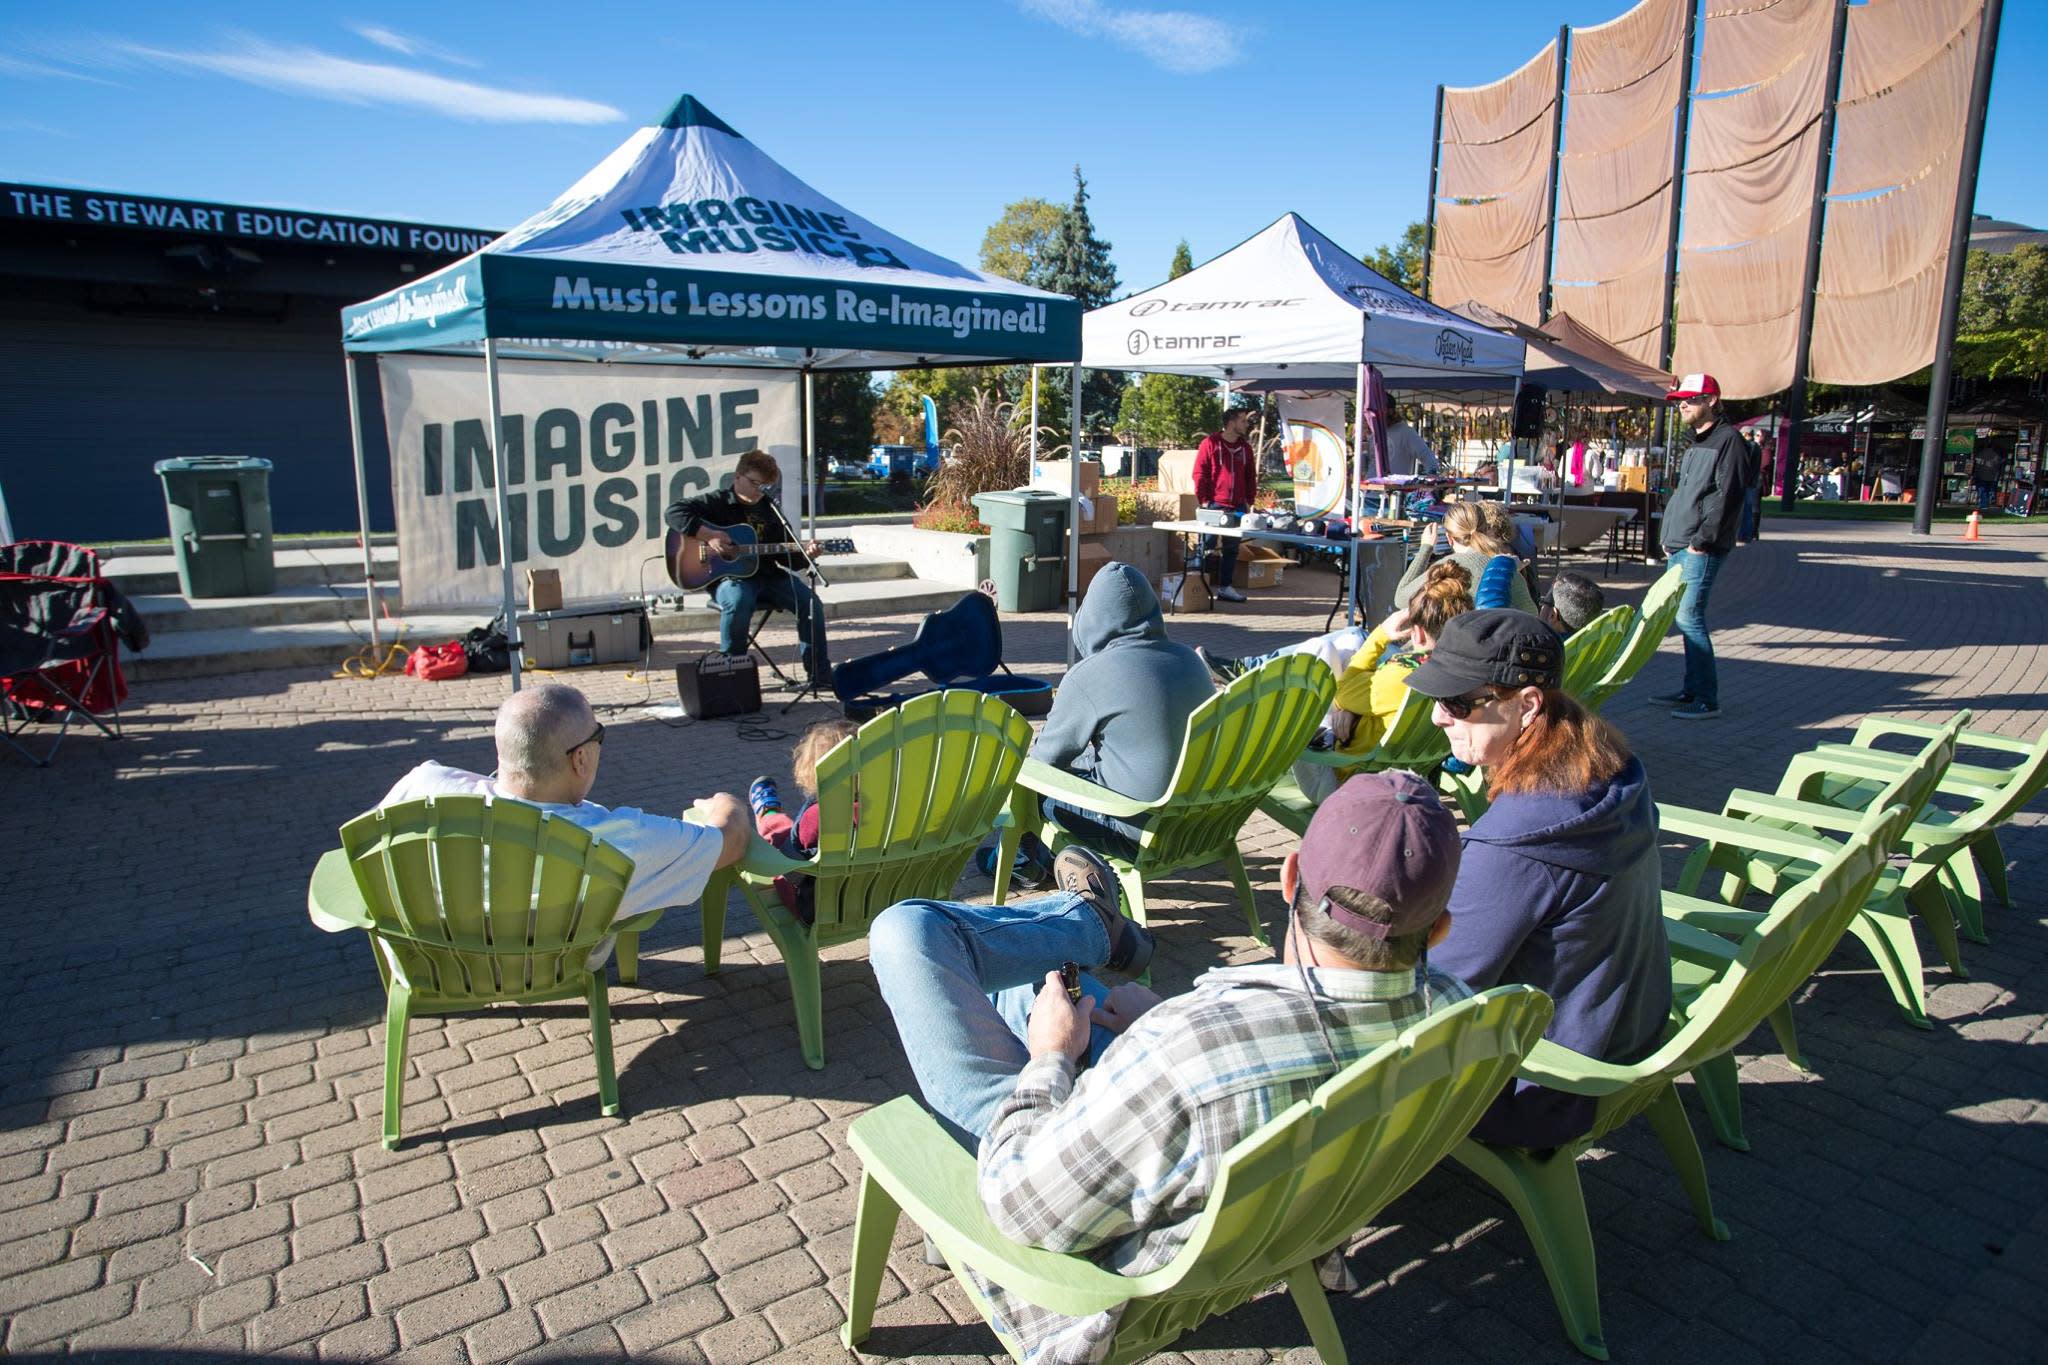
693,564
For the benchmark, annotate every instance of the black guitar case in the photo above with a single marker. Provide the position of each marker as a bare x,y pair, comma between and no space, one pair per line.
961,646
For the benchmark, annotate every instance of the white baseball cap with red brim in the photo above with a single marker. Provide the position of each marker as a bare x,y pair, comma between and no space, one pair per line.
1695,386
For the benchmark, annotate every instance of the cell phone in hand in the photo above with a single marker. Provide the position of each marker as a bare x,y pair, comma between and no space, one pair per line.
1070,977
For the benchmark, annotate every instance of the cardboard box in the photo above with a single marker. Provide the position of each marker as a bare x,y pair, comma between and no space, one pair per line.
1101,517
1261,566
1053,474
1159,505
1633,478
1094,554
543,589
1184,593
1177,471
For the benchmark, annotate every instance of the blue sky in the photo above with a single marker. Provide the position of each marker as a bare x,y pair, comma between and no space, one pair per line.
1204,122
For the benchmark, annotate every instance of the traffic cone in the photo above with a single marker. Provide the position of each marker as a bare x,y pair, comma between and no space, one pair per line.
1970,530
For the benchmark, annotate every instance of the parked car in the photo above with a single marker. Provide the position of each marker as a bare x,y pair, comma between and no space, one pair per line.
841,468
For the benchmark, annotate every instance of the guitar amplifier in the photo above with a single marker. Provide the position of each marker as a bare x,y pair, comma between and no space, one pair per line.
719,685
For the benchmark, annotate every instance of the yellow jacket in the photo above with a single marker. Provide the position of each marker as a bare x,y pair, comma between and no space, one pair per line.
1371,692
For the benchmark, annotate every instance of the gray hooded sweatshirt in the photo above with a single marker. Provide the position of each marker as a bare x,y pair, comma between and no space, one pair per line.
1122,710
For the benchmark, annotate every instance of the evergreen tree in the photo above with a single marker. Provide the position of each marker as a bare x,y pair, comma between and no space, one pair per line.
846,402
1081,269
1183,261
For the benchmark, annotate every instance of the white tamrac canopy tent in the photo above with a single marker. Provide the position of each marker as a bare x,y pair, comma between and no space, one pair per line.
689,245
1290,309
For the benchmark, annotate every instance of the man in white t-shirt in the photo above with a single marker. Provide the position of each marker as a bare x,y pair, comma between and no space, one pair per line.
549,747
1407,452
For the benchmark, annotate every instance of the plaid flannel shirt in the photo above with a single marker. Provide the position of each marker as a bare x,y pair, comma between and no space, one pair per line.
1120,1161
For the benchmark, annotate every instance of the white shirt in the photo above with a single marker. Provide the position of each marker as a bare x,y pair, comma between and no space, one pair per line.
1407,452
672,859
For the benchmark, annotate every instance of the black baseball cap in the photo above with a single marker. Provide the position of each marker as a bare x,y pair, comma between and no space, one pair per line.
1498,647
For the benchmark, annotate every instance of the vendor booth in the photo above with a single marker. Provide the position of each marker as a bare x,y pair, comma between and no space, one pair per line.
1291,311
686,247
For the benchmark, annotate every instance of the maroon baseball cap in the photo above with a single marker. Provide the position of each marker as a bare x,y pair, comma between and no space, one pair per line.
1387,835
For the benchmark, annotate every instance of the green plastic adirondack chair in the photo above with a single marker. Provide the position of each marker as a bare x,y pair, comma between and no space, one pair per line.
1288,1193
1722,991
1989,794
1239,743
928,780
1885,923
1412,743
1653,623
1592,649
471,903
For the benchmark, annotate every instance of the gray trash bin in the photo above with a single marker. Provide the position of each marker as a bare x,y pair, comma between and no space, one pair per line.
219,507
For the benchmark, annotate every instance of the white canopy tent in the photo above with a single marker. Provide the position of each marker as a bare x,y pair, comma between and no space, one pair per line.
1290,309
688,245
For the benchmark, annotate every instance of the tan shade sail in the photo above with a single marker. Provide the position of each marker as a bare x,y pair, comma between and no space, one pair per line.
1907,67
1493,189
1629,312
1615,54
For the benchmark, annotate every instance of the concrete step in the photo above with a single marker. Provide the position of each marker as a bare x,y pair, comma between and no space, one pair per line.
167,613
156,575
208,651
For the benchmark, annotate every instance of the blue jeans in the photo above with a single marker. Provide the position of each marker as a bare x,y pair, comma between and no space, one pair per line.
959,981
1698,571
1104,833
736,598
1752,514
1230,547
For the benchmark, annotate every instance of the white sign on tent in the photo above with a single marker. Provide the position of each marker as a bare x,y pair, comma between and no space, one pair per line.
594,457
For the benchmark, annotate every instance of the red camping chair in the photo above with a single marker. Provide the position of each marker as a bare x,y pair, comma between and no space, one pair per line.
61,629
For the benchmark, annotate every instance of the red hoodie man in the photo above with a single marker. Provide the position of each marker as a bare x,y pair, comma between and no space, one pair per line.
1227,477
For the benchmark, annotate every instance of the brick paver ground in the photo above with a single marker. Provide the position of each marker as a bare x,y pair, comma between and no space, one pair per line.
189,1076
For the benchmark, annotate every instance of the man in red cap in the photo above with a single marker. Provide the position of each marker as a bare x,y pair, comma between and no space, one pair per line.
1118,1159
1700,523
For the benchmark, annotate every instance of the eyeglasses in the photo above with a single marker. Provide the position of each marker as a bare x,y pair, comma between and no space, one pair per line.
1461,708
596,737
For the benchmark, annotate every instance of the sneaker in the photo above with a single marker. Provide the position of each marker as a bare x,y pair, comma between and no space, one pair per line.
1695,710
1678,698
1221,665
1082,873
1226,593
1024,872
763,798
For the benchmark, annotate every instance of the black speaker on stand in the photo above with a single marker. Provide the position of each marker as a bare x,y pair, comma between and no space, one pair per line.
1529,411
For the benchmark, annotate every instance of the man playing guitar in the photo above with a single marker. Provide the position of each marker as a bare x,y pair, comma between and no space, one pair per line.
746,502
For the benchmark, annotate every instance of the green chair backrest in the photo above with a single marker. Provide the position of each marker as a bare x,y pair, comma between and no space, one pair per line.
904,801
1653,623
1238,744
2025,783
1592,649
1316,1173
475,900
1413,740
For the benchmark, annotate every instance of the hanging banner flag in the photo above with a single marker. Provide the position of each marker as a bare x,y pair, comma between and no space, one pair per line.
1316,454
594,456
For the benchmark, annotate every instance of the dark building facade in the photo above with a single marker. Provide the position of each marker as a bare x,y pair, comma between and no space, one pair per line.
133,329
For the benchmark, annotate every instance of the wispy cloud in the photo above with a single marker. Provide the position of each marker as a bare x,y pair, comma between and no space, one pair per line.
1186,44
406,45
16,66
308,71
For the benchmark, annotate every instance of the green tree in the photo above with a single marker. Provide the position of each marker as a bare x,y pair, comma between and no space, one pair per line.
846,401
2002,325
1081,270
1183,261
1019,245
1402,262
900,411
1169,410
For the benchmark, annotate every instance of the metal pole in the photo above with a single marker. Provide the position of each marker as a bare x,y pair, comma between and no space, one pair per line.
1564,40
1436,150
1796,400
1351,478
355,436
1034,419
1664,335
1073,513
1958,252
810,479
501,474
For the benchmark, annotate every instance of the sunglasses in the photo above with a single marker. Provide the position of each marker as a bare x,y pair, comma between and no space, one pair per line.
596,737
1461,708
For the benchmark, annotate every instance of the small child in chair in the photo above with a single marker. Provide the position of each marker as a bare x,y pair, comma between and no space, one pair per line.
797,836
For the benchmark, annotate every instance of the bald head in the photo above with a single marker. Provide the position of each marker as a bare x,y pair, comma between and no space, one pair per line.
536,729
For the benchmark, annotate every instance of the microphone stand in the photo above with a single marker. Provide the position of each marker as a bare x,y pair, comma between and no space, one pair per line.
816,575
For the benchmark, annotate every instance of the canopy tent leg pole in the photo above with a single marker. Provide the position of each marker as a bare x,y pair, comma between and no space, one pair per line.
1034,425
1507,481
1073,512
810,479
500,475
1351,478
355,436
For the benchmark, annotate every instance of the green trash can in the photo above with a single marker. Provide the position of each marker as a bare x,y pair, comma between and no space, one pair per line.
219,508
1027,547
